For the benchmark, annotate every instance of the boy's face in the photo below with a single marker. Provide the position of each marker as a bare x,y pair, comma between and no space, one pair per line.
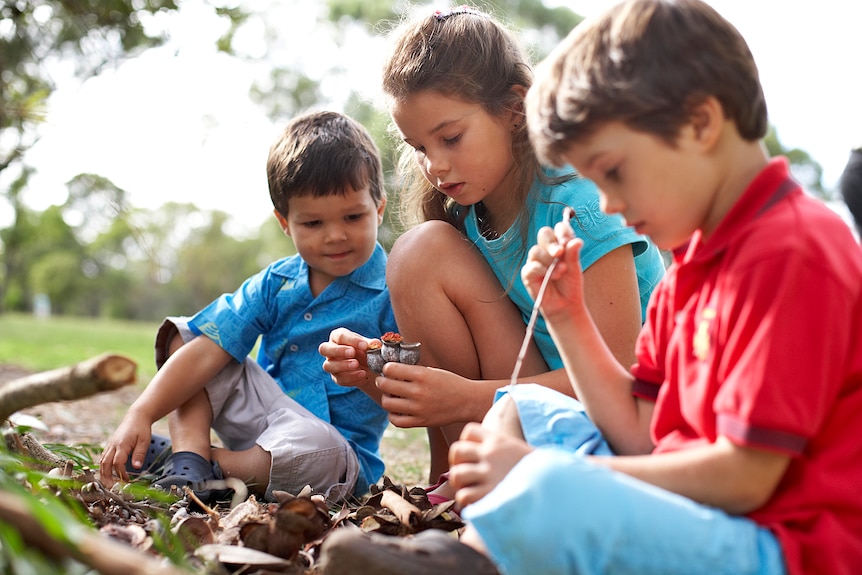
334,234
661,191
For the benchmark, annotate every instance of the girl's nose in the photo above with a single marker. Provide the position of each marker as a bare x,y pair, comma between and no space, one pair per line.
436,166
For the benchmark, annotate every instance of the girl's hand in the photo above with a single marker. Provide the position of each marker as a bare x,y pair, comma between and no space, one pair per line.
132,436
480,460
565,287
345,358
418,396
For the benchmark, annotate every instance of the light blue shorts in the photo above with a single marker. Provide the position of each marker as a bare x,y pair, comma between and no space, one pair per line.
556,513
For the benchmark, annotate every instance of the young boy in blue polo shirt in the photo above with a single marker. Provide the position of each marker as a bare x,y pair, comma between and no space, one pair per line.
735,435
283,422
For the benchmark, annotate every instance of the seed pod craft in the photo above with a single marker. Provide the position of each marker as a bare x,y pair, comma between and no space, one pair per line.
394,349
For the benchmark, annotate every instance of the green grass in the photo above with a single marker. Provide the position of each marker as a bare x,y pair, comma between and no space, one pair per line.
49,343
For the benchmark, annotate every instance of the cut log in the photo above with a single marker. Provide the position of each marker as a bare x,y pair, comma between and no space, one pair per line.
105,372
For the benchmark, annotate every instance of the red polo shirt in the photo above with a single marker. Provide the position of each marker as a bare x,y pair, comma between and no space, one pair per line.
756,334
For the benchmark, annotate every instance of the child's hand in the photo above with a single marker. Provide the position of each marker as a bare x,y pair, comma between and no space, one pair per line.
345,358
131,437
565,287
419,396
480,460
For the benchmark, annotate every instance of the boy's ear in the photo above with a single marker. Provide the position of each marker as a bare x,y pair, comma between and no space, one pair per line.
380,209
707,121
282,221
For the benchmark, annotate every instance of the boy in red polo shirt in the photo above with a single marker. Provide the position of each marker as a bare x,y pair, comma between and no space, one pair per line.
737,432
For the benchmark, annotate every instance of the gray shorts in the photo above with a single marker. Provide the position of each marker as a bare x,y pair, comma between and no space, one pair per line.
250,408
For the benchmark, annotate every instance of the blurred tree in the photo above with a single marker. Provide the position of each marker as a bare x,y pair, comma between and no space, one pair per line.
212,262
805,169
38,38
53,262
14,289
35,36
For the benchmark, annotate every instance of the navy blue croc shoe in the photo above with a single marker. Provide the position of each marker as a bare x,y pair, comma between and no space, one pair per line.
188,469
154,460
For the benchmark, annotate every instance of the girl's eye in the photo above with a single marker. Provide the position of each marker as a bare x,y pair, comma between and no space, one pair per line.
419,150
311,224
452,141
354,217
613,175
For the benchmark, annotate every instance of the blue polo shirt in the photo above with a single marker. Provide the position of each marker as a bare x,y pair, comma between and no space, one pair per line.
600,232
277,305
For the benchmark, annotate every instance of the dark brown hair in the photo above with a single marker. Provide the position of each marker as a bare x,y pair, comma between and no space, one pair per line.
323,154
648,64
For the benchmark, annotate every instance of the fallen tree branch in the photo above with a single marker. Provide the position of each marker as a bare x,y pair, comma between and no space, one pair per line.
105,555
40,457
105,372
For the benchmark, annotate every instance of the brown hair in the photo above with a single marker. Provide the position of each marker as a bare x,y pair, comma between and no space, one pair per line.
465,54
646,63
322,154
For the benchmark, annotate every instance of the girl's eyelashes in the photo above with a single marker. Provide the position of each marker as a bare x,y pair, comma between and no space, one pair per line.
452,141
446,141
613,174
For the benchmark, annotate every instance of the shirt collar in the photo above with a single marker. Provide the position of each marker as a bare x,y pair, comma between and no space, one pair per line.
370,275
767,188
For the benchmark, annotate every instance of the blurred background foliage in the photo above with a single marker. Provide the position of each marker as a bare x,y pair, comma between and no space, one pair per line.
96,254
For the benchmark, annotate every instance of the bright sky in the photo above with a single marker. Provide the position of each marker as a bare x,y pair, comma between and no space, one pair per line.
177,123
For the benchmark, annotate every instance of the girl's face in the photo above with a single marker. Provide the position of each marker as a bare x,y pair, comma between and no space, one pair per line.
461,149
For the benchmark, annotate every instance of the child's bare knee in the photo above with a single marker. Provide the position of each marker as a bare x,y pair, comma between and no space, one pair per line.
503,417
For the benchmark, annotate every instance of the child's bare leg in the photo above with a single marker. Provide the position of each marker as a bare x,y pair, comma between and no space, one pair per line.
439,448
190,424
458,310
251,466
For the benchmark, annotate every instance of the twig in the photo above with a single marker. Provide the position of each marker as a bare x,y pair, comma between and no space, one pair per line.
104,555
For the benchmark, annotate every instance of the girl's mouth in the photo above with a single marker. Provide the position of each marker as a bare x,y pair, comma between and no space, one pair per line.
451,190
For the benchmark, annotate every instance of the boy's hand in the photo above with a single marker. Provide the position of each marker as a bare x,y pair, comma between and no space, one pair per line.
131,437
565,287
345,358
480,460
